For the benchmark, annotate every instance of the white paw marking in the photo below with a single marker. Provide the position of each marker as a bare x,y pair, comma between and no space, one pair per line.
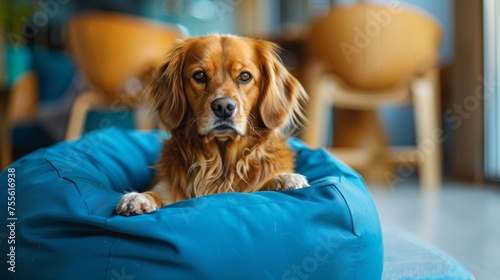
290,181
134,203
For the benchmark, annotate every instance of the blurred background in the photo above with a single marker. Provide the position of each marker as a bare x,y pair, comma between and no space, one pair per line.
404,91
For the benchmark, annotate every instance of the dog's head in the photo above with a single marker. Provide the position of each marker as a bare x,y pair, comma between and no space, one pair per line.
225,86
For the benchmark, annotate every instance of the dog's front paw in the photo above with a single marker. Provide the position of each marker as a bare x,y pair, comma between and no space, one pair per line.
134,203
289,181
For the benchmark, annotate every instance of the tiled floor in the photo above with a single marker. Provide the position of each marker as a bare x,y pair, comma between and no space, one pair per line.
462,220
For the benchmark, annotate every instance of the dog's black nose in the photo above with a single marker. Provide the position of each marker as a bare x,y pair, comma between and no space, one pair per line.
223,107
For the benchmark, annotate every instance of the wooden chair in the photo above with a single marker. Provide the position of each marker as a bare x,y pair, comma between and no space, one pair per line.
112,49
365,56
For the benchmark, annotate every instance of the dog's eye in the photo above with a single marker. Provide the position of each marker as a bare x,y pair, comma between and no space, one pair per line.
200,77
245,77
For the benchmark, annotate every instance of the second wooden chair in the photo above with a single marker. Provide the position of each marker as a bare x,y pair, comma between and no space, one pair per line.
366,56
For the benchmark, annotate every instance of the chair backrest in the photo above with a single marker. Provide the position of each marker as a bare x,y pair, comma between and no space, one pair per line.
373,47
111,48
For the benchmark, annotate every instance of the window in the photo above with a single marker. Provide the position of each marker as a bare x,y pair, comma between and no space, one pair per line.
491,8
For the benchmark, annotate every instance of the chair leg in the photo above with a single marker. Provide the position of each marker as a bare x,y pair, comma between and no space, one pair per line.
5,138
362,131
315,132
5,131
79,112
20,105
143,118
429,132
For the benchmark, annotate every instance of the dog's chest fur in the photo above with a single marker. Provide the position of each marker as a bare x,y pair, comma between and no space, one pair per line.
219,167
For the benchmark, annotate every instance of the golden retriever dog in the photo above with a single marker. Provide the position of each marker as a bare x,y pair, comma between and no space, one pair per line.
226,102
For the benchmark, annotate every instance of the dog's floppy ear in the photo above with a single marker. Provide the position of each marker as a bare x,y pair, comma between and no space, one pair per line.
166,90
282,96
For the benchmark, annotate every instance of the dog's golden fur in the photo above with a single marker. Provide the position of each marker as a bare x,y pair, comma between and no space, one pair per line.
249,152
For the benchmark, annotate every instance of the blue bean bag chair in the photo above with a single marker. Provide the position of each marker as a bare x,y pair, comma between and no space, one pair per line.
63,224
